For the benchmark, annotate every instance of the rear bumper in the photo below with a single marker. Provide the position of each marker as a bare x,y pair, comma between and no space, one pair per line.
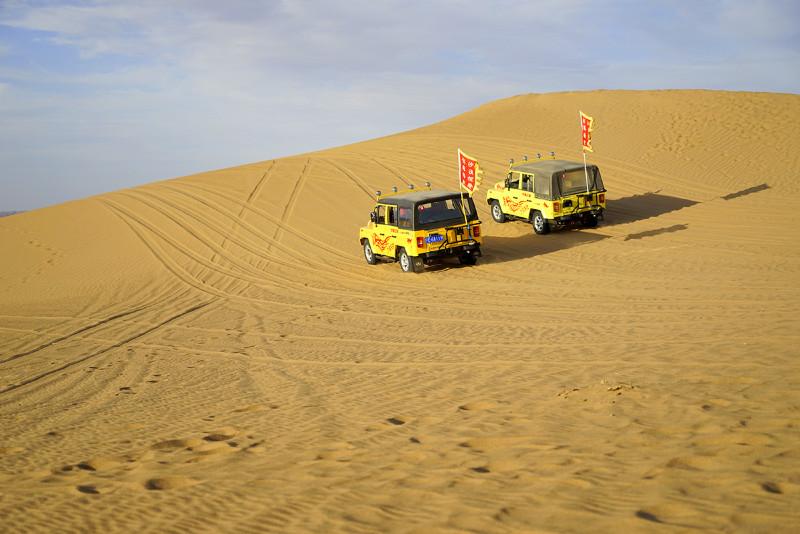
576,216
472,247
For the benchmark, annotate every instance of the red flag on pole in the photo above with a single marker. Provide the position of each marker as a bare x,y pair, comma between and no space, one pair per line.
586,131
469,172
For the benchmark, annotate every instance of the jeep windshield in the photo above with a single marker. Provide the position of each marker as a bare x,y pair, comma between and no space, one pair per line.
574,181
444,212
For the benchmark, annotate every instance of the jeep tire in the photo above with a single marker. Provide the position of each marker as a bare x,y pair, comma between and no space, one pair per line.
407,263
497,212
467,258
368,254
589,220
539,223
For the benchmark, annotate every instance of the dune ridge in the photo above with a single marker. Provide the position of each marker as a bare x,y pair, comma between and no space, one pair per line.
212,352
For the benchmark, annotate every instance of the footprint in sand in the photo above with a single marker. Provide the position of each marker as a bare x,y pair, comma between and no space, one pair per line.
222,434
249,408
170,483
97,489
175,444
477,406
99,464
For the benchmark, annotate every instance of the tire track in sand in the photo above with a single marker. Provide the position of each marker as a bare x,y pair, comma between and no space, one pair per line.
237,270
288,209
361,184
117,345
254,194
172,266
264,214
396,173
75,333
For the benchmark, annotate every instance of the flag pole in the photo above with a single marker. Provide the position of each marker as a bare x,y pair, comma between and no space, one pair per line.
586,171
461,194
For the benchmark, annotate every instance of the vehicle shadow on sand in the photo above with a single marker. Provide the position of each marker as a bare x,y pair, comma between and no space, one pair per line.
624,210
745,192
502,249
645,206
658,231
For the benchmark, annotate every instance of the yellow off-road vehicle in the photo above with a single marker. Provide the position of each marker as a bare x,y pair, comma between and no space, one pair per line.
419,227
549,193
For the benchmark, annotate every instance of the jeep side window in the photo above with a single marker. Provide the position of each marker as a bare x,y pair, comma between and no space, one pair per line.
392,215
381,214
541,186
526,182
513,181
404,217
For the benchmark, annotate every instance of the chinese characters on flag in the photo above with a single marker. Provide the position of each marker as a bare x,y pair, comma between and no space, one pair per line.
586,131
469,172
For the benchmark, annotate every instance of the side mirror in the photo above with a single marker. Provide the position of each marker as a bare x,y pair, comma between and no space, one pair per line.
373,217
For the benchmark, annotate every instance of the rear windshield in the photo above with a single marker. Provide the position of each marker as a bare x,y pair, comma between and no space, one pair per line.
445,211
573,182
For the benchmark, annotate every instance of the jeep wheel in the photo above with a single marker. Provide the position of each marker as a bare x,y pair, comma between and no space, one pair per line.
407,263
497,212
467,258
540,224
368,254
589,220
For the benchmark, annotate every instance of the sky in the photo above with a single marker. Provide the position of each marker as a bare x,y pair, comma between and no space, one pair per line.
100,95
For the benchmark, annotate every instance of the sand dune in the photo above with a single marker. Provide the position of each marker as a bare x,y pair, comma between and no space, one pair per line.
212,352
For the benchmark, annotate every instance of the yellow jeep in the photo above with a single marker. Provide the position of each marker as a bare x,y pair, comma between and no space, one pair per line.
549,193
419,227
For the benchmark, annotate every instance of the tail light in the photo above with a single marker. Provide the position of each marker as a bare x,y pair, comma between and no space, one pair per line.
556,206
601,198
476,231
420,242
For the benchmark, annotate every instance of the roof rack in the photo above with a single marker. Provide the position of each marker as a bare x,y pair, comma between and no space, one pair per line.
511,163
411,187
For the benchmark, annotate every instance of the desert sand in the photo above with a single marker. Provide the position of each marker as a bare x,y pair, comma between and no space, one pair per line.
213,353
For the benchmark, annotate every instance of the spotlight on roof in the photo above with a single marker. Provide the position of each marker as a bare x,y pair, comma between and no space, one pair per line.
553,154
538,155
511,161
525,157
378,193
427,184
394,189
411,186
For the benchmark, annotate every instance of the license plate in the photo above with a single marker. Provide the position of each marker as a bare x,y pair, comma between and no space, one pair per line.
434,238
